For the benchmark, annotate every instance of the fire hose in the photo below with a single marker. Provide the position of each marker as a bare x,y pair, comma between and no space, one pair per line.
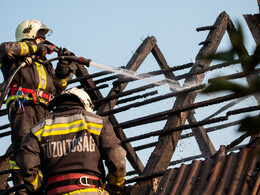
28,61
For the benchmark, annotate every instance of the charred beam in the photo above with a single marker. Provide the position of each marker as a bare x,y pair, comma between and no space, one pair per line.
137,97
5,134
253,22
168,143
201,136
204,43
242,54
177,111
4,126
175,129
149,101
156,73
206,69
97,88
93,89
3,112
205,28
197,124
210,129
106,79
87,83
129,92
235,76
137,59
85,77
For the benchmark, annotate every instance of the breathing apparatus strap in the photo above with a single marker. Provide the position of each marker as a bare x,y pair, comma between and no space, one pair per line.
28,94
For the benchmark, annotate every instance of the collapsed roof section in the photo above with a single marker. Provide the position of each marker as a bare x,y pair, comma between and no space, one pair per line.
151,119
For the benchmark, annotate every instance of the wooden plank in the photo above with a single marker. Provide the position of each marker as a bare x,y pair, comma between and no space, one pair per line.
167,144
137,59
203,140
88,83
131,154
206,146
253,22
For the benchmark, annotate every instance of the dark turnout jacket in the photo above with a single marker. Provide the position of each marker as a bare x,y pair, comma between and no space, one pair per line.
37,75
72,140
34,80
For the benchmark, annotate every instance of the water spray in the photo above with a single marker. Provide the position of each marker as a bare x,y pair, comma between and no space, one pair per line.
173,85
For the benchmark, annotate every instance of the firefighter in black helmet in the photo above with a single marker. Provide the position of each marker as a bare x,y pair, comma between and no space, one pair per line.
34,86
69,146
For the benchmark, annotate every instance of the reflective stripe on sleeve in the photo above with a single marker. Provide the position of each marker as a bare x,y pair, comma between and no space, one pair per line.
13,165
60,82
24,48
115,180
34,47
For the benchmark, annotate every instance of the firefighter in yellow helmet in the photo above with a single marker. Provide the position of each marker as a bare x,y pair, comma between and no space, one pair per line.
69,146
33,86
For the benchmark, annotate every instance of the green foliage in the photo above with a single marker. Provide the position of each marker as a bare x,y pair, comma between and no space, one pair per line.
223,84
250,124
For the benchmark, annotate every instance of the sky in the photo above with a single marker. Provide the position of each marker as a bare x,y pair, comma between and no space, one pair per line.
109,32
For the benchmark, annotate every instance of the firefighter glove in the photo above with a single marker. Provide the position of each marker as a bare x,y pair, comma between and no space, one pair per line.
114,189
63,67
38,49
115,184
65,52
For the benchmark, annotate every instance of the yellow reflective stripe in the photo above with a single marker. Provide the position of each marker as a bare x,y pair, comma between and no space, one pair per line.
68,124
115,180
62,129
27,98
1,65
24,48
13,165
14,97
34,47
61,82
42,76
104,192
74,123
37,183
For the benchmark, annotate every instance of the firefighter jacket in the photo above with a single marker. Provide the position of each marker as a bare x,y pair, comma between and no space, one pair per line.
37,76
72,140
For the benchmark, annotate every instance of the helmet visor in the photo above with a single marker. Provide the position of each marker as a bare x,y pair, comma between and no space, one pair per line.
44,31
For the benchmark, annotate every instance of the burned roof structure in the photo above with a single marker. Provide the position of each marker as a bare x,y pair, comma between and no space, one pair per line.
157,121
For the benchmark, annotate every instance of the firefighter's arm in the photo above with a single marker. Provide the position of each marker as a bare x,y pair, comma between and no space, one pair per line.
117,170
28,160
13,50
114,159
63,70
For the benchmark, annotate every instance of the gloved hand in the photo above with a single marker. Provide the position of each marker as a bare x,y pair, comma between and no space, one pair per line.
114,189
63,67
65,52
40,49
